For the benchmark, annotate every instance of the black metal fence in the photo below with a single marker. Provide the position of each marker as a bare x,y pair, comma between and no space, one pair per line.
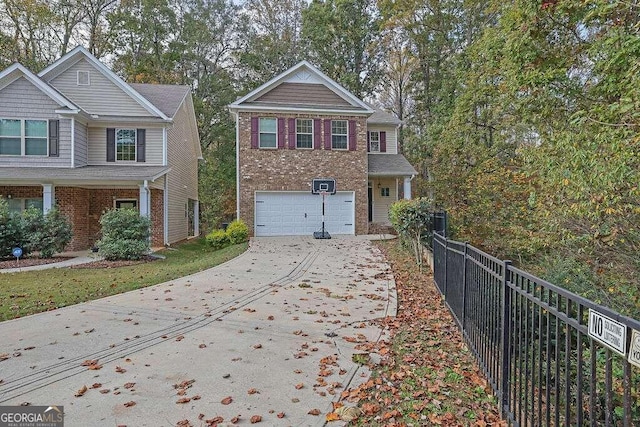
540,346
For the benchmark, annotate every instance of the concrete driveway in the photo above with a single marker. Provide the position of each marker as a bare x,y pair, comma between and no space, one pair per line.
270,333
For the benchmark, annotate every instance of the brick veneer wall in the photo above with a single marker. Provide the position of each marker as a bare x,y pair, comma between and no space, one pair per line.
293,169
84,207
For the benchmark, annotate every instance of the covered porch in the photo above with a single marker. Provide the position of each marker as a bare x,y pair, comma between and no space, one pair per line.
83,194
390,178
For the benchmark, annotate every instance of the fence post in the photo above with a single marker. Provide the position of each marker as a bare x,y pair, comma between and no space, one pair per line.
464,287
446,255
505,339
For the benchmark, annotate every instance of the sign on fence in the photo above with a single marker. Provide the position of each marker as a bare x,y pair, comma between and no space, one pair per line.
634,349
609,332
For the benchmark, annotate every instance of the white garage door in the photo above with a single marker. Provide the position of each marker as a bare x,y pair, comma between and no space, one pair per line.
290,213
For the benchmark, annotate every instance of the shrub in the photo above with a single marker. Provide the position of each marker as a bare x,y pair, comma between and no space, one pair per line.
412,220
47,234
238,232
218,239
10,229
125,234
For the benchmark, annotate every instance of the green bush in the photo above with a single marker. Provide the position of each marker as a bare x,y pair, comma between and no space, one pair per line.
412,221
125,235
238,232
218,239
47,234
10,230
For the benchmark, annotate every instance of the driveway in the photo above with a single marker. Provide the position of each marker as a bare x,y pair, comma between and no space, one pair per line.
270,333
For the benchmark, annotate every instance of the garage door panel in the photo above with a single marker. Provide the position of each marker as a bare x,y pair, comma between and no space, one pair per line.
297,213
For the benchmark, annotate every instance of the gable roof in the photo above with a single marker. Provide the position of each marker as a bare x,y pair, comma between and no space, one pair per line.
74,55
302,74
17,70
380,117
167,98
390,165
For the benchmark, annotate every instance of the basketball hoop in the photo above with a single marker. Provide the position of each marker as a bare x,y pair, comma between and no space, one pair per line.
324,193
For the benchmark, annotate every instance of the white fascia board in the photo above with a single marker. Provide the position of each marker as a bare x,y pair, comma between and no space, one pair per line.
106,71
22,71
330,83
299,109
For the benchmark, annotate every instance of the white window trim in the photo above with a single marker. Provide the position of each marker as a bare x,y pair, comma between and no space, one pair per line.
260,134
346,135
23,201
382,191
312,138
23,137
88,78
116,201
377,132
135,145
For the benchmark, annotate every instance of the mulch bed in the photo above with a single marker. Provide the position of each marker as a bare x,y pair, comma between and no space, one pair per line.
115,264
29,261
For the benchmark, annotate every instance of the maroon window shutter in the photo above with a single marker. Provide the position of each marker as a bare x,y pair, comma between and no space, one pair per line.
111,145
255,123
317,134
281,132
352,135
292,134
327,134
368,141
54,138
383,142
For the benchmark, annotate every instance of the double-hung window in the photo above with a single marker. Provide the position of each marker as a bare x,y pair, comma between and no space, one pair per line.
20,205
268,132
374,142
23,137
304,133
125,144
339,134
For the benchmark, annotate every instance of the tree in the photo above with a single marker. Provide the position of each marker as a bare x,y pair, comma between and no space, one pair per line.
343,39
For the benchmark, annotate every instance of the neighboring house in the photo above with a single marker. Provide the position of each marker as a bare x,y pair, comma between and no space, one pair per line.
78,137
302,125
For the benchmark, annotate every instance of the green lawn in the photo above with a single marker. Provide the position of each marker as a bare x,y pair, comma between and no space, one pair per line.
36,291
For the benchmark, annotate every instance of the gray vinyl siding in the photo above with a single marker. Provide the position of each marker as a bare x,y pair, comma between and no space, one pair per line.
81,150
303,93
182,180
392,137
98,147
381,204
101,97
22,100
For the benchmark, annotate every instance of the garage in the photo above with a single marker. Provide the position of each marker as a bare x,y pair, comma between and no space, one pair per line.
289,213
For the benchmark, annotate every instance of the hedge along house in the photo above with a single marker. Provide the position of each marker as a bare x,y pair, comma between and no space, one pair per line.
78,137
303,125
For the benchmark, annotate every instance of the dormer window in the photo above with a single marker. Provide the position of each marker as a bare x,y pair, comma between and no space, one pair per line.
83,78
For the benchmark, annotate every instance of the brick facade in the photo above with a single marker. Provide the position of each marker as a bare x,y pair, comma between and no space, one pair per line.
287,169
84,207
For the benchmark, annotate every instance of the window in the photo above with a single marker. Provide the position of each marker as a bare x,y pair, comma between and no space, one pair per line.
339,134
304,133
83,78
374,141
384,192
126,144
268,135
23,137
20,205
126,204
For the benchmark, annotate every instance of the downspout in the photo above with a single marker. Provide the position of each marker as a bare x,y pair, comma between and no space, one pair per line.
166,211
73,142
237,165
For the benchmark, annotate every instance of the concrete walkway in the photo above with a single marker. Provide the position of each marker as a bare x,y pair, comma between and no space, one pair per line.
270,332
76,258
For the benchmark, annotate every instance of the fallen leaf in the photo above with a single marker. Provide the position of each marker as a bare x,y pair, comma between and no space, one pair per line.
256,346
184,400
299,386
280,415
196,397
314,412
202,346
270,318
179,337
252,391
94,385
81,391
255,419
235,419
214,421
227,400
120,370
332,416
129,385
130,404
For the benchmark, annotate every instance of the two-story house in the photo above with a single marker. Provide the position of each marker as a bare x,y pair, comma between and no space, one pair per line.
302,125
78,137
